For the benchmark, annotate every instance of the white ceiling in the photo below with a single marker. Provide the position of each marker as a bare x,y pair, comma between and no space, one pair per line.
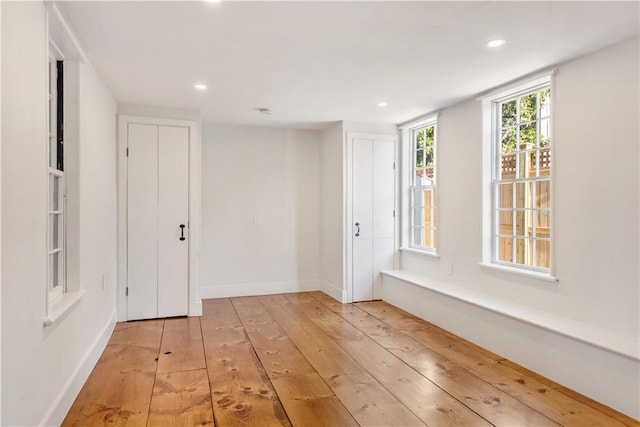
317,62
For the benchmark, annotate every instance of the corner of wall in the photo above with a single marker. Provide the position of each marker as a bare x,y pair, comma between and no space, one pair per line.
334,291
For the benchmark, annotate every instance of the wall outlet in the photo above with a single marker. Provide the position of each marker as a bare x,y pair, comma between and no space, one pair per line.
450,268
257,222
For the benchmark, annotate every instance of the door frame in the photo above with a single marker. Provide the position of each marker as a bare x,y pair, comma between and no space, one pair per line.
348,204
195,148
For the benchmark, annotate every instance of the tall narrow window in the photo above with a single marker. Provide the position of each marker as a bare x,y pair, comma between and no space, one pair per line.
522,179
57,188
423,217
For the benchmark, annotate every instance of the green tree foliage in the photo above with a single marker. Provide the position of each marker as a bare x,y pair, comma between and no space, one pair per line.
521,117
424,147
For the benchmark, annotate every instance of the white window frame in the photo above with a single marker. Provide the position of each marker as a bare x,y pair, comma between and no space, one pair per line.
491,177
55,286
408,131
57,35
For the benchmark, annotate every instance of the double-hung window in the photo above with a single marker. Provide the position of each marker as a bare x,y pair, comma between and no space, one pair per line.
521,178
423,197
57,187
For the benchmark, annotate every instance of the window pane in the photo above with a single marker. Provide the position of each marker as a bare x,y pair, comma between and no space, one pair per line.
427,197
508,166
524,223
545,132
434,238
418,217
505,249
524,251
523,195
505,222
545,102
56,201
528,108
508,140
430,217
429,136
417,237
543,194
543,253
543,223
56,234
508,113
528,134
545,162
56,270
429,157
417,197
505,195
53,152
419,158
527,164
419,137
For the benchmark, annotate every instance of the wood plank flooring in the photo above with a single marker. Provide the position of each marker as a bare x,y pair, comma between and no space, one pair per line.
306,360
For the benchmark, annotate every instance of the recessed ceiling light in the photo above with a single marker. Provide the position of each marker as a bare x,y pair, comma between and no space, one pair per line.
496,42
200,86
382,104
214,1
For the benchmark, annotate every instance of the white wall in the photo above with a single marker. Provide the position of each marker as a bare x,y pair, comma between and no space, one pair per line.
43,368
272,176
596,152
332,212
0,212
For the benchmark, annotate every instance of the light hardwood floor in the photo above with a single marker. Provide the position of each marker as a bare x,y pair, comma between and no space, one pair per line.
306,360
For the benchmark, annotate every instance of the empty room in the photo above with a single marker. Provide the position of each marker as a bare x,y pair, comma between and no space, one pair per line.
320,213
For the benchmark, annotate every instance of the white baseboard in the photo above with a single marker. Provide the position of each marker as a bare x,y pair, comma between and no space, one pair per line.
258,288
333,291
56,413
603,375
195,308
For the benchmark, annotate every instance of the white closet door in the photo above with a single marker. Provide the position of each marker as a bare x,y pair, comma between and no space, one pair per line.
173,211
383,206
157,206
373,202
142,222
362,199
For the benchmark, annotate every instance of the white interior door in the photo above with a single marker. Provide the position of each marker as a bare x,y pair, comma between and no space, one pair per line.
142,222
173,216
362,197
373,203
157,206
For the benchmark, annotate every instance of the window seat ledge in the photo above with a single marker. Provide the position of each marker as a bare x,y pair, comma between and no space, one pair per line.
590,334
61,305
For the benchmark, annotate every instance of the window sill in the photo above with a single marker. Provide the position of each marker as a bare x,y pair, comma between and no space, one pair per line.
421,252
61,305
519,272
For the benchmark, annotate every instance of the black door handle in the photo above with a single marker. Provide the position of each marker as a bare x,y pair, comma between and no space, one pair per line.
182,232
358,232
